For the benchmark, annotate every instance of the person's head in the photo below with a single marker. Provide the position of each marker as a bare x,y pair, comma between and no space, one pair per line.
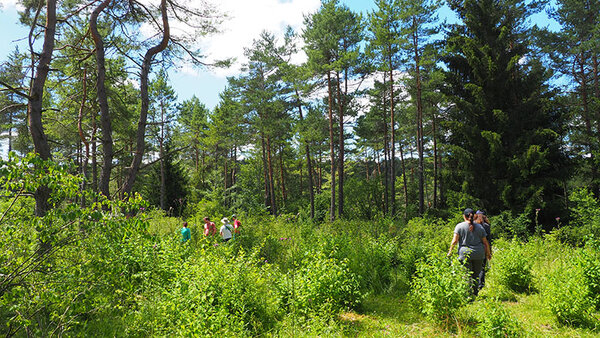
233,217
225,220
481,217
185,224
469,215
206,219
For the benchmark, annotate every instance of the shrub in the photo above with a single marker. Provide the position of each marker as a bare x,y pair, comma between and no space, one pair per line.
511,268
440,287
590,266
495,321
567,295
321,284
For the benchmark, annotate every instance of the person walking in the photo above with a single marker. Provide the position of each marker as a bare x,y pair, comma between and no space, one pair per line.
481,218
186,234
209,227
236,225
226,230
473,247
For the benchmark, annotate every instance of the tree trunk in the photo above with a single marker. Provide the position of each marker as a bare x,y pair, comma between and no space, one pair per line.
341,106
105,120
141,130
84,141
404,182
308,163
331,149
420,146
282,176
94,158
386,169
35,101
393,134
265,171
161,140
271,179
435,162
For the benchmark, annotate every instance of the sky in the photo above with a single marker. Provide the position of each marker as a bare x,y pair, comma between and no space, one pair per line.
246,20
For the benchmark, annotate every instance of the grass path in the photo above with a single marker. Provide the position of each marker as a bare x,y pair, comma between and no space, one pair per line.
394,316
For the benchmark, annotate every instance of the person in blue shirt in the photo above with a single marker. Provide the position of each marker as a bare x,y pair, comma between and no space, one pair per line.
186,234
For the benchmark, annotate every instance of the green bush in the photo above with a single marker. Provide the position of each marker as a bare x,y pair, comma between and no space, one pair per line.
510,267
496,322
566,294
321,284
440,287
590,266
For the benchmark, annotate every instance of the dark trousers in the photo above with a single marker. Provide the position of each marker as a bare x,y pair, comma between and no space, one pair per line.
482,274
474,266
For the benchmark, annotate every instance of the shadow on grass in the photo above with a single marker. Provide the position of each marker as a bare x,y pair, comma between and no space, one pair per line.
390,315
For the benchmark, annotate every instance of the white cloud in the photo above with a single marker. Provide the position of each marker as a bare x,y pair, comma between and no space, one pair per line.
7,3
245,21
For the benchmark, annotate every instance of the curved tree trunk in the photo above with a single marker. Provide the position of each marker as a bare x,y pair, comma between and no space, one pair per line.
141,130
34,104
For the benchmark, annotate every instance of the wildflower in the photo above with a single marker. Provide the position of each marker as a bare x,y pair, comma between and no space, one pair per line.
537,210
557,219
216,245
266,261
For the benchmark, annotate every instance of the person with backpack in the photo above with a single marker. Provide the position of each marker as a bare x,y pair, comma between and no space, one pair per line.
473,247
226,230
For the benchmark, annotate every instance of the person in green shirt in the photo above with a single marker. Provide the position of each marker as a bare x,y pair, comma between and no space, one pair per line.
186,234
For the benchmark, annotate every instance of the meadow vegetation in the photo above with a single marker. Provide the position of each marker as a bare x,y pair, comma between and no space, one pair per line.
107,268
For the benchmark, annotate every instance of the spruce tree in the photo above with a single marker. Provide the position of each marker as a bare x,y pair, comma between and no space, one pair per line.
504,133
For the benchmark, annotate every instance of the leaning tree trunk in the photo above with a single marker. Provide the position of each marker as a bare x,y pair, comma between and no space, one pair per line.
105,120
34,104
141,130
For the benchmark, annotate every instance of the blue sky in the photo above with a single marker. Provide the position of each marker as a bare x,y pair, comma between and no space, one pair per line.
239,31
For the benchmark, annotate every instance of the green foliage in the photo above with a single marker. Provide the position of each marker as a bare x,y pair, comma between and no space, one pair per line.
589,263
567,294
585,218
321,284
440,287
507,226
496,322
511,267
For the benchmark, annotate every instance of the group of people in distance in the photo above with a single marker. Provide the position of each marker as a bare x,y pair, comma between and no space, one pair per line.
474,248
227,231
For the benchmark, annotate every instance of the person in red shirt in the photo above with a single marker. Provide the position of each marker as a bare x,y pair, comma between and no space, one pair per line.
236,224
209,227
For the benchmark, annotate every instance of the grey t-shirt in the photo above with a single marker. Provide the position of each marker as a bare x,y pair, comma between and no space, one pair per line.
470,243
